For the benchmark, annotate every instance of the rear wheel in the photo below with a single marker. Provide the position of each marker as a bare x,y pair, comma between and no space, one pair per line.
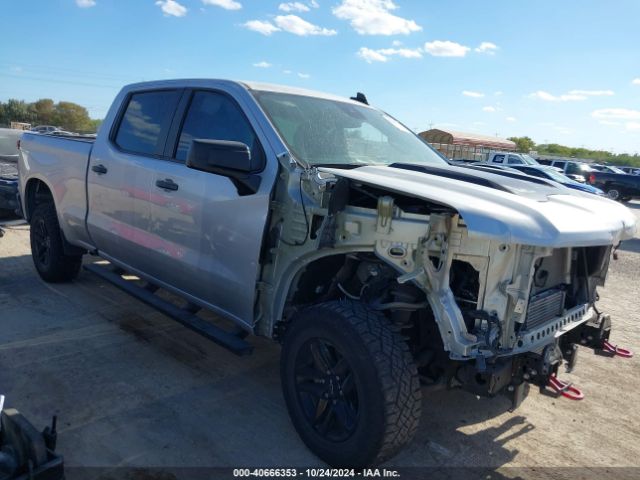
47,248
613,193
350,384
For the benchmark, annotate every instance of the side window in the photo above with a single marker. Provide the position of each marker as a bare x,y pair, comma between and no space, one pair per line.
146,120
214,116
572,168
498,159
513,160
534,173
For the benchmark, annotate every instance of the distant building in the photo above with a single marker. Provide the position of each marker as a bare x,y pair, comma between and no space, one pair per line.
465,146
20,126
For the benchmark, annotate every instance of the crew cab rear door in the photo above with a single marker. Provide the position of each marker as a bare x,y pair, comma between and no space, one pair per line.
118,179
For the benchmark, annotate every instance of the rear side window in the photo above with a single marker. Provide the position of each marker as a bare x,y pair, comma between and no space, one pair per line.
214,116
498,159
144,125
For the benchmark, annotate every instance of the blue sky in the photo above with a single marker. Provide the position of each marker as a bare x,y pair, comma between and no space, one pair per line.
559,71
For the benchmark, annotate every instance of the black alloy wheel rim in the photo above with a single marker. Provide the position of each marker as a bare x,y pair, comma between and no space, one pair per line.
326,390
42,242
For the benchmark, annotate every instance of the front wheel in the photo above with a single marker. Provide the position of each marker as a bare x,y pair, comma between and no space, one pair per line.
47,248
350,384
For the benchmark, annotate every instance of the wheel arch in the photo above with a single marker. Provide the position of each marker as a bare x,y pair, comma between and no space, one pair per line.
289,286
36,192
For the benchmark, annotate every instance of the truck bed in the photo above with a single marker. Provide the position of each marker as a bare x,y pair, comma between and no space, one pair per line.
62,162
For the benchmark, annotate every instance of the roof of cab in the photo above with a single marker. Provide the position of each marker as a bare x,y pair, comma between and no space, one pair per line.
257,86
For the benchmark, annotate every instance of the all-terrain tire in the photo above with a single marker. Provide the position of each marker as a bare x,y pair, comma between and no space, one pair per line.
384,380
47,247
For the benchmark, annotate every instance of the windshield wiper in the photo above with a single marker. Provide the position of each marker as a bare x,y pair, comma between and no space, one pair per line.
347,166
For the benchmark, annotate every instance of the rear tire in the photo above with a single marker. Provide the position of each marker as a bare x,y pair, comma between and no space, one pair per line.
350,384
47,247
613,193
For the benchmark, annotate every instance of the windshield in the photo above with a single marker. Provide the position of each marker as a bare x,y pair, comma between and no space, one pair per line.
529,160
320,131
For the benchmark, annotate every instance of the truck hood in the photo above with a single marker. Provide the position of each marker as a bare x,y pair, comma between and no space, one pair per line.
511,209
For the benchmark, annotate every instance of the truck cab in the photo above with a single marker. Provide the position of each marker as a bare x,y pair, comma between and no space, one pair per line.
510,158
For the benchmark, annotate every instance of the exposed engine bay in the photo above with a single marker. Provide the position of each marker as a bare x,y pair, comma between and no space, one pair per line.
467,305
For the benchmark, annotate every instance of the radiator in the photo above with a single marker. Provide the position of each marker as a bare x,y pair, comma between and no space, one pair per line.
544,307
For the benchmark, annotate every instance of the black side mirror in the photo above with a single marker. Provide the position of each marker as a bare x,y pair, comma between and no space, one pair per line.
218,155
229,159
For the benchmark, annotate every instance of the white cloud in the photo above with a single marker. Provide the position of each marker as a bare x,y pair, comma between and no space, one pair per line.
262,64
171,8
314,4
293,7
636,81
298,26
512,119
616,114
265,28
472,94
610,123
633,126
439,48
304,75
487,47
226,4
287,72
383,54
86,3
498,93
547,97
592,93
374,17
371,55
489,109
396,43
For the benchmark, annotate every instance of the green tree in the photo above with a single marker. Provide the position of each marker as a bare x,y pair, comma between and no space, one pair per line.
71,116
523,144
45,111
16,111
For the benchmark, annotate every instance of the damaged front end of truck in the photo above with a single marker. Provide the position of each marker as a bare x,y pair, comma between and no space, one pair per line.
492,286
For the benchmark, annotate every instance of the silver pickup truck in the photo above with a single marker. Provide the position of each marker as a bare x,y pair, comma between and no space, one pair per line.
327,225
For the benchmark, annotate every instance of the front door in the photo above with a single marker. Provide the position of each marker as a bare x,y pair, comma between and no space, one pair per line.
211,234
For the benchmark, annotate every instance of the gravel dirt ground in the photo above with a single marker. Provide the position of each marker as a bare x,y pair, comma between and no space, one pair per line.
133,388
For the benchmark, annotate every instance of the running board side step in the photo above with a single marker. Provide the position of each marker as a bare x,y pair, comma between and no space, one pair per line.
230,341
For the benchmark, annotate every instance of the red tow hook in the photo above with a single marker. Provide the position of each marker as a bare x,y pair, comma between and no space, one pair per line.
565,389
616,350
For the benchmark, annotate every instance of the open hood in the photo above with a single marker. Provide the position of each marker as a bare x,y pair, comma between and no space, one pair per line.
514,209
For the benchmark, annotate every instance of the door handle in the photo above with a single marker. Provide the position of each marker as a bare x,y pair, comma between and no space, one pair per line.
99,169
167,184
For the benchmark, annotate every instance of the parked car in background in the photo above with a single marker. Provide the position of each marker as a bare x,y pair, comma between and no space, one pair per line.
578,171
45,129
630,170
62,133
9,144
607,168
509,158
8,170
550,173
617,186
